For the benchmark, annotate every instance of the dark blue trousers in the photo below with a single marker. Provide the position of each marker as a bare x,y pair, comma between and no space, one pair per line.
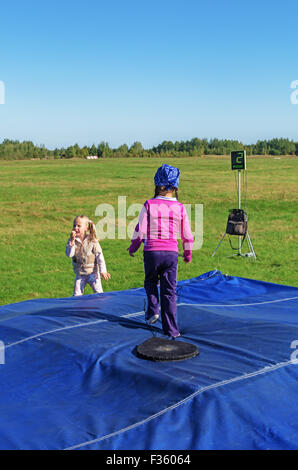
162,266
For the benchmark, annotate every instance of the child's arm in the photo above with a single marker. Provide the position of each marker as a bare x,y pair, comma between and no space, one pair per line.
140,232
136,242
70,246
186,236
101,263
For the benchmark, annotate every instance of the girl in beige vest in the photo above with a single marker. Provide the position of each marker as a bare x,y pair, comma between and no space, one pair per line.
87,257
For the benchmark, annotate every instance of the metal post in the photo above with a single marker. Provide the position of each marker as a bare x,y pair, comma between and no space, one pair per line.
238,163
239,207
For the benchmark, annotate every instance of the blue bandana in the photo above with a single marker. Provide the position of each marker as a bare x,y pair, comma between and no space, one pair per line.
167,176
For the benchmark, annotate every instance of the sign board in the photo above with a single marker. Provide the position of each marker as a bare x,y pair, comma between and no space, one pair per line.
238,160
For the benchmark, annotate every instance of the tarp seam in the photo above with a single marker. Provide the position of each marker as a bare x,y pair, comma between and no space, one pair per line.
68,328
141,313
240,305
193,395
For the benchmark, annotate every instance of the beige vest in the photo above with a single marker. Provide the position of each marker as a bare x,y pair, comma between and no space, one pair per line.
84,260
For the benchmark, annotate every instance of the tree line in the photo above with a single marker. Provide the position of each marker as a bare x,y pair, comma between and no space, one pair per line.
15,150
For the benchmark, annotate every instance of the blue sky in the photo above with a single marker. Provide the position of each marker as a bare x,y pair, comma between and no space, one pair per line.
125,71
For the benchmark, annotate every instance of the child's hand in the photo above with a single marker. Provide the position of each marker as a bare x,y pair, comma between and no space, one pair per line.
130,254
105,276
72,237
187,255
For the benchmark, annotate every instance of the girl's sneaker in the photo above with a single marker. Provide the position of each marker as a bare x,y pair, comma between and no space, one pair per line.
177,336
152,319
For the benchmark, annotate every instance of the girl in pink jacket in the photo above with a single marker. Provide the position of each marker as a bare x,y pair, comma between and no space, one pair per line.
161,221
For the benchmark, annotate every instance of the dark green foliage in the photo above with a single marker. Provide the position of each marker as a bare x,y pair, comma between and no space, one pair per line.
15,150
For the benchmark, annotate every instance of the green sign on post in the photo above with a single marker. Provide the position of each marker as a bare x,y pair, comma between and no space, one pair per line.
238,160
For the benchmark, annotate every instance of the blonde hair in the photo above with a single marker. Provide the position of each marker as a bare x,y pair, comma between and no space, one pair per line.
90,227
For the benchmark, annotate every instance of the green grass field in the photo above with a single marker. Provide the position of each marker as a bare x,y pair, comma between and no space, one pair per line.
39,200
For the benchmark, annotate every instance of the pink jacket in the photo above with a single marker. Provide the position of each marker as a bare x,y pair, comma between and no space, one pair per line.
161,221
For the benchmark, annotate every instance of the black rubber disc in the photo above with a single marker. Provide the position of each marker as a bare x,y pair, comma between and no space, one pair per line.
160,349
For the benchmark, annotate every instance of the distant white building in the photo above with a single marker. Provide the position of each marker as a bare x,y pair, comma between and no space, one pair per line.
91,157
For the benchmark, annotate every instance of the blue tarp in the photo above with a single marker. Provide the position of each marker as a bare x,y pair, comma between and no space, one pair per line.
71,378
